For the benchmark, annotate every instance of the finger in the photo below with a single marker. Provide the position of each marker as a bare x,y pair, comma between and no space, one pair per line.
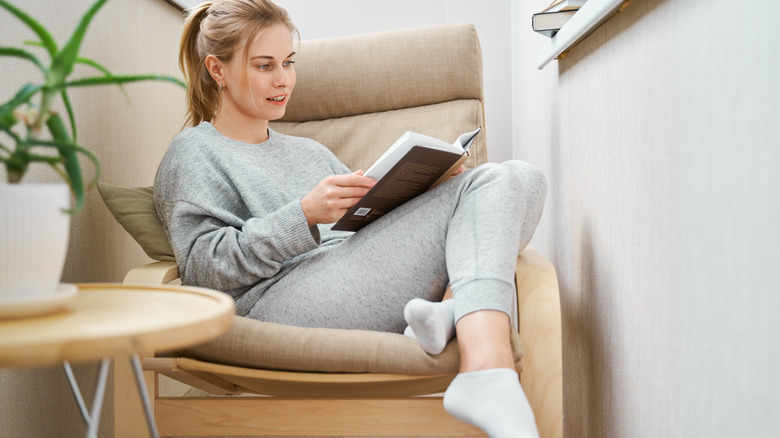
354,180
340,206
457,172
348,192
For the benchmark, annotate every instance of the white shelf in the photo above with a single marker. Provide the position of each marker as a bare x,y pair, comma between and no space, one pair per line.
586,20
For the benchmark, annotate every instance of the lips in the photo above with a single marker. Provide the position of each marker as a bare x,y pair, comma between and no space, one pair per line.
278,100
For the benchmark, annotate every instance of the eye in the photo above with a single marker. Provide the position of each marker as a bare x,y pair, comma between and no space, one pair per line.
288,63
264,67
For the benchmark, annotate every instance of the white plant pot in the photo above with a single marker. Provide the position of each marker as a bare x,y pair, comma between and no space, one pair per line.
34,232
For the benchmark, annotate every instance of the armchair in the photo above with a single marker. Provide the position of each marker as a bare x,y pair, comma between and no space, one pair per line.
355,95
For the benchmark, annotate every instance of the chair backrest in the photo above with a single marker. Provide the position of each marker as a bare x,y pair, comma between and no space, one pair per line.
358,94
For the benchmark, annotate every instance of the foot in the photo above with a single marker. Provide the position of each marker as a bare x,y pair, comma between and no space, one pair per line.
432,324
492,400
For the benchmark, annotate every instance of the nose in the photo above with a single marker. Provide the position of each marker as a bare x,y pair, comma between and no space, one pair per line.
284,78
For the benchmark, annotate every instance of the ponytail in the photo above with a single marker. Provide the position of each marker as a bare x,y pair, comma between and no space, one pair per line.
202,95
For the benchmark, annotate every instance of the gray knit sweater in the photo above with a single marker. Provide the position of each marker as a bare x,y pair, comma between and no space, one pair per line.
232,210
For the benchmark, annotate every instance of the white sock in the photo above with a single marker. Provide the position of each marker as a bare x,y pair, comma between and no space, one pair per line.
492,400
432,324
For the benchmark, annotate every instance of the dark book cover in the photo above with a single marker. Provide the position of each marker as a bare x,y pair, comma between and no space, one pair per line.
418,171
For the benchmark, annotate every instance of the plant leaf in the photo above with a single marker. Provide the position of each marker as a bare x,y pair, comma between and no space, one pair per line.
93,64
103,70
21,97
65,146
57,144
7,121
122,79
69,109
46,38
20,53
71,162
15,168
68,156
62,64
51,159
7,130
95,162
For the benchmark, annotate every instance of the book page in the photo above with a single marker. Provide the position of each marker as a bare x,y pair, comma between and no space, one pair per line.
465,140
405,143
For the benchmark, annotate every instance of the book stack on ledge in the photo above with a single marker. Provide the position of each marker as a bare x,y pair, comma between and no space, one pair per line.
552,18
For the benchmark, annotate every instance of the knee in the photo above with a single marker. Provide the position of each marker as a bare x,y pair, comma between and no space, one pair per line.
516,176
523,167
521,173
526,172
533,181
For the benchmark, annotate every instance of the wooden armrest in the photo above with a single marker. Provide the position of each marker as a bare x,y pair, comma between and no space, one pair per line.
153,273
540,329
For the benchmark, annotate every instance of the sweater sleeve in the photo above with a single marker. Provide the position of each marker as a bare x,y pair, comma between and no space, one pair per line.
212,253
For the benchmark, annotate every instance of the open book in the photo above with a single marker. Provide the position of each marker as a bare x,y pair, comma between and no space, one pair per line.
414,164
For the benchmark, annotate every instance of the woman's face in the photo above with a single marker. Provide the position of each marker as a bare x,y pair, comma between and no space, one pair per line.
270,73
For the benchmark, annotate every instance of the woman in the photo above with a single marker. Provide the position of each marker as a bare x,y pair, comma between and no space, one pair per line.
248,211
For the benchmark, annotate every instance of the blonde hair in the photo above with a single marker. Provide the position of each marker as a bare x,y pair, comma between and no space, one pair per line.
218,28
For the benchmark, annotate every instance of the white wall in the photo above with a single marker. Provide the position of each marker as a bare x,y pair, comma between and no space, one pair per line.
322,19
658,135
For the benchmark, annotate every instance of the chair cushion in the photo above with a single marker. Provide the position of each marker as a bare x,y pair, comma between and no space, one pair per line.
263,345
133,208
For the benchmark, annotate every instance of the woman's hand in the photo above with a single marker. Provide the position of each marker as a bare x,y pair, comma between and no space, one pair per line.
334,196
458,171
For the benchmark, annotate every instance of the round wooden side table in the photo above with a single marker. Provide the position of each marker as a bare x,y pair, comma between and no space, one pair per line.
103,321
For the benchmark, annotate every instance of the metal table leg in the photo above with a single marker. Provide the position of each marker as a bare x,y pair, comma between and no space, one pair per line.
92,418
139,380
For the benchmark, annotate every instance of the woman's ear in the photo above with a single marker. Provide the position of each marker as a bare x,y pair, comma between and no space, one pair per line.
214,67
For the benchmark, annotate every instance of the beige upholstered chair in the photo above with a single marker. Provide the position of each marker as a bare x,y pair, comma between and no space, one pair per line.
355,95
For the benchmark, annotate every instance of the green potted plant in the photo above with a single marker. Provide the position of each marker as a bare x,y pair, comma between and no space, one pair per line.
32,131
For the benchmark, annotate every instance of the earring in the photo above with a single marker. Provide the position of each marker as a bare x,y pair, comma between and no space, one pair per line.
220,86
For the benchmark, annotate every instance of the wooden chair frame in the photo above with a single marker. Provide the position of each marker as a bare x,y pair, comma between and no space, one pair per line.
343,413
441,89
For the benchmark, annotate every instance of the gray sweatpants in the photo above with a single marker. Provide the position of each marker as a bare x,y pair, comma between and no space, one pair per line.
466,232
